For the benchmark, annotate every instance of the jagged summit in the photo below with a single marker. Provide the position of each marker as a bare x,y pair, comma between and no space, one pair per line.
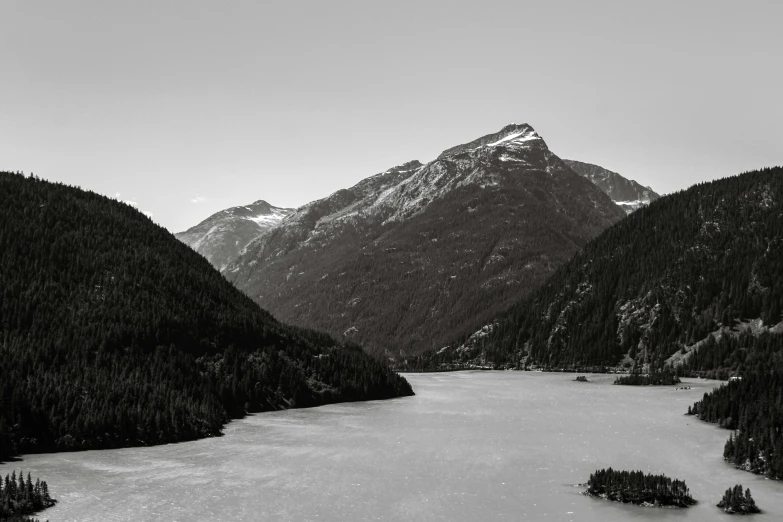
512,135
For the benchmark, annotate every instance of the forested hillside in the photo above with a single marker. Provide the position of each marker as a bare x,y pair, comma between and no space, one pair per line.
751,404
651,288
113,333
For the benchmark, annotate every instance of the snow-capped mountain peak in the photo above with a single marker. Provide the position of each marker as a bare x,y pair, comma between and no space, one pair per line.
404,258
512,136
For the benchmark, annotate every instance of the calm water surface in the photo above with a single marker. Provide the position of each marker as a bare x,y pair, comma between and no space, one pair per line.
480,446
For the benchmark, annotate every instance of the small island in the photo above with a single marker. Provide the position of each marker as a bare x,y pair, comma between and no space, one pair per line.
651,379
637,488
581,378
20,497
735,502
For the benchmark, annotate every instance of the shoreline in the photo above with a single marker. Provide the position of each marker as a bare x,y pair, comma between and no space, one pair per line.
20,457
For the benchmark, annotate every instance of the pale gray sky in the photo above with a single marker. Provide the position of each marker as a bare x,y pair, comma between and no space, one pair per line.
190,107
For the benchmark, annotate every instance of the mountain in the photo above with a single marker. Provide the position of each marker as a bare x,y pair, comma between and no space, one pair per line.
224,234
626,193
113,333
408,258
657,287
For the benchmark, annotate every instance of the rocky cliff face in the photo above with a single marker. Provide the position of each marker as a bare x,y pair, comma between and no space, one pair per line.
626,193
221,236
409,258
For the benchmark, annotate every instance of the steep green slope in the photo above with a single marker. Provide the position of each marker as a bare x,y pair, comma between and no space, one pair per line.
650,287
113,333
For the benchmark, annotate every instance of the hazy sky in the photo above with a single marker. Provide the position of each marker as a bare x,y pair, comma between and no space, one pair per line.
190,107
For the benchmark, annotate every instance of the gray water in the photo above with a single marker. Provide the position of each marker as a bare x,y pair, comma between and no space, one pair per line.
480,446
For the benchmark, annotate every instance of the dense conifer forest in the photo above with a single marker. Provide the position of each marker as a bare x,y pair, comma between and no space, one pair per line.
20,497
637,488
649,287
751,404
113,333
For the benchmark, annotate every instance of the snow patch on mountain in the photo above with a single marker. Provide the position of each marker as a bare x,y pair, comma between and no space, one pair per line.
271,219
517,137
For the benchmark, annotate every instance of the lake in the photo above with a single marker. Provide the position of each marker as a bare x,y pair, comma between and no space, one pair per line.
485,446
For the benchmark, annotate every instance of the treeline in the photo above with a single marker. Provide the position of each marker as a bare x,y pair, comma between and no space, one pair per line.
113,333
637,487
653,284
751,405
20,497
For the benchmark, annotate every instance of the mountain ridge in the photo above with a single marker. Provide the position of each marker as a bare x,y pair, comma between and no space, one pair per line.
221,236
522,212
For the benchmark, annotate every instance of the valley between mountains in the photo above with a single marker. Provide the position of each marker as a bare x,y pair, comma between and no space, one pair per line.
500,255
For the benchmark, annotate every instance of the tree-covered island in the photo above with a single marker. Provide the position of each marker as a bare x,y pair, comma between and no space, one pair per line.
635,487
734,501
